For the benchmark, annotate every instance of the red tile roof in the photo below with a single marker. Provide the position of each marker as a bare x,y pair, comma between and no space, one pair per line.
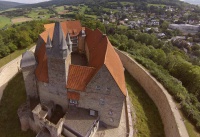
73,95
100,52
79,76
41,71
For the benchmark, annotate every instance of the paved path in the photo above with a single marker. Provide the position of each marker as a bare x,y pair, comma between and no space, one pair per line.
8,71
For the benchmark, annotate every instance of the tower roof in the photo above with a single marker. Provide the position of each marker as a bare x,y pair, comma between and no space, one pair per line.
48,44
58,42
100,52
69,42
28,59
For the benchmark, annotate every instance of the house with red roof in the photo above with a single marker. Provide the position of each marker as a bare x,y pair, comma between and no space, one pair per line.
74,81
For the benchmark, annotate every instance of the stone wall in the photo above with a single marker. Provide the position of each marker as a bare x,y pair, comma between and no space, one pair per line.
173,124
103,95
8,71
47,96
30,81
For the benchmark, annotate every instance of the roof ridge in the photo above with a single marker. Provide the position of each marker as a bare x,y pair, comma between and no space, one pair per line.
82,66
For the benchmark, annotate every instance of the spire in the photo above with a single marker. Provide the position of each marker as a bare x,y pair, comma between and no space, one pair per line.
59,45
58,36
63,45
48,43
69,42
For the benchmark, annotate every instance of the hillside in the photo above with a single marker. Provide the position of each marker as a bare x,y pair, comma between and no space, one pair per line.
7,5
51,3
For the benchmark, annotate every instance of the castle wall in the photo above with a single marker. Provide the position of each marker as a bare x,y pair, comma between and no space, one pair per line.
57,73
8,71
81,44
173,124
30,81
87,52
47,95
103,95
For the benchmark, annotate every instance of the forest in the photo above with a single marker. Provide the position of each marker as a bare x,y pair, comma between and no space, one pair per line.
178,73
19,36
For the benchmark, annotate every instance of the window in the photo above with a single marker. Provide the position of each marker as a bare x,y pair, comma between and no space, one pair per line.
45,84
71,101
98,88
102,101
110,112
108,90
111,120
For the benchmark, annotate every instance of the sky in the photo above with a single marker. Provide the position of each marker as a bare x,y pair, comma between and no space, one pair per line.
26,1
192,1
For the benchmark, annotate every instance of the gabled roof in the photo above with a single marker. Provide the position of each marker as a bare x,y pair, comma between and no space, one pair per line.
72,27
41,71
79,76
101,53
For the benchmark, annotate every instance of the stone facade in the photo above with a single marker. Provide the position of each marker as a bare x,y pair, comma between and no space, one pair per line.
30,81
49,77
103,95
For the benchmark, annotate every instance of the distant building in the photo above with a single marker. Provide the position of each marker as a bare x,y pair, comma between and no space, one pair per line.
185,28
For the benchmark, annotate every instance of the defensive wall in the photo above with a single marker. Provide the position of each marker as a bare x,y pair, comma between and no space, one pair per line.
173,123
8,71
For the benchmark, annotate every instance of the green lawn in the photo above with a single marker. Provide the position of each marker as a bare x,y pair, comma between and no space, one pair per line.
60,8
14,95
34,13
148,121
4,21
156,5
12,56
190,128
82,9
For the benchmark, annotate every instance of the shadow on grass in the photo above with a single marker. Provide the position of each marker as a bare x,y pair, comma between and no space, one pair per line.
148,120
14,95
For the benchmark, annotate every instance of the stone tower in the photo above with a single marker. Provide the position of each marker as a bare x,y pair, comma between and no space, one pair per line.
81,41
28,65
59,59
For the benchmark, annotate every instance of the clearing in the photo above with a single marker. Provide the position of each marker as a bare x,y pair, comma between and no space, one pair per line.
4,21
20,19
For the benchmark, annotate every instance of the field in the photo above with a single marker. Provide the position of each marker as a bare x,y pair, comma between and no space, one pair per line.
156,5
4,21
148,120
20,19
39,14
14,95
123,3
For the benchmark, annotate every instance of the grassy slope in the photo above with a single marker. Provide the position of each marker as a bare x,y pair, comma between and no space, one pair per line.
4,21
190,128
148,122
14,95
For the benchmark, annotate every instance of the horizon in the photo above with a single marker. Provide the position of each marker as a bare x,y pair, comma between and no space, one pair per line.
25,1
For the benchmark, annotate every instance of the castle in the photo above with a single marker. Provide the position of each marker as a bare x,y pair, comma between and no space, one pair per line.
74,81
